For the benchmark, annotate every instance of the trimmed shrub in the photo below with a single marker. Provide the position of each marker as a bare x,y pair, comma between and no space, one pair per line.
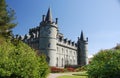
105,64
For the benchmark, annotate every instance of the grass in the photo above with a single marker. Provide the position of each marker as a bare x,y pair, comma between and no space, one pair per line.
65,76
81,74
76,75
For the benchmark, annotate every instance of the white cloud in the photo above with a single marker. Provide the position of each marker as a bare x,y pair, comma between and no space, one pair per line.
90,56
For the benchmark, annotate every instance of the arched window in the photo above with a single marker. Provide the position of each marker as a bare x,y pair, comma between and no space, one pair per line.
66,62
70,61
62,62
57,49
67,52
73,61
74,53
57,61
62,51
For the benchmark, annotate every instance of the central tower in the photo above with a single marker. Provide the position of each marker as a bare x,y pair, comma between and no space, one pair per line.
47,38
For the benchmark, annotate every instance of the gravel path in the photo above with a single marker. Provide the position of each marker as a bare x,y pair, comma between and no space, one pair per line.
55,75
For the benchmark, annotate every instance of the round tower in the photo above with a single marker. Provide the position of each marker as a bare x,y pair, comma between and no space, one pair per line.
47,38
82,50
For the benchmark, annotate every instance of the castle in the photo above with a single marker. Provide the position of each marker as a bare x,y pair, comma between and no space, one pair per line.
59,51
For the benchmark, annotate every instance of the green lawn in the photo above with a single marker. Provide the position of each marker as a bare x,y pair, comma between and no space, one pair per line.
76,75
65,76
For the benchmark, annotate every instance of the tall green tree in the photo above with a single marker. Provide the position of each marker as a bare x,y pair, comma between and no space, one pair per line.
6,19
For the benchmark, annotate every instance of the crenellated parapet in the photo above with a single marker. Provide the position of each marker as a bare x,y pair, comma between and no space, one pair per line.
34,32
65,42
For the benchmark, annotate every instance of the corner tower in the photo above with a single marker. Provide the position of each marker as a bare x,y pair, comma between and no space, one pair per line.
82,50
47,37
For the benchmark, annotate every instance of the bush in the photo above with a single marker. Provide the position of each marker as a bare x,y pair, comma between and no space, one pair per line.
83,68
43,66
20,61
105,64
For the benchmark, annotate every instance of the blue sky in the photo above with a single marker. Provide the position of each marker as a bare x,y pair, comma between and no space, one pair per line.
99,19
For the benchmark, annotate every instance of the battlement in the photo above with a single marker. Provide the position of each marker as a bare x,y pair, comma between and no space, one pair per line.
64,41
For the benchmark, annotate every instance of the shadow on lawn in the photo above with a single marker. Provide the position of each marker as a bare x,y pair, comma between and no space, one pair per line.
80,74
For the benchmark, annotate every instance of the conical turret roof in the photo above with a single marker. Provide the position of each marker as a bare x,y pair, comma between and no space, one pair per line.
82,36
49,15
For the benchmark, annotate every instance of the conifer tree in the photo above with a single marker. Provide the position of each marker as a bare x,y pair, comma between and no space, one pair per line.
6,19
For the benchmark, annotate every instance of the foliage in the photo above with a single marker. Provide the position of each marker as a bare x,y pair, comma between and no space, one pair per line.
43,66
83,68
20,61
6,19
105,64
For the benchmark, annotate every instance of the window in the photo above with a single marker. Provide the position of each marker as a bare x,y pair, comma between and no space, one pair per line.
57,49
57,62
70,61
67,52
66,60
62,51
74,53
62,62
70,52
73,61
49,44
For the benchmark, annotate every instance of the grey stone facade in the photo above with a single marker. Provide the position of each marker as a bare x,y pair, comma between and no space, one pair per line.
60,51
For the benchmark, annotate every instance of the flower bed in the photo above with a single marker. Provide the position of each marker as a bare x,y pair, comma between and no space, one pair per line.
70,69
67,69
56,70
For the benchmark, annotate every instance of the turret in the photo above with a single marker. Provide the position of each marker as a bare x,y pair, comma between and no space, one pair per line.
47,40
82,36
82,50
49,16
